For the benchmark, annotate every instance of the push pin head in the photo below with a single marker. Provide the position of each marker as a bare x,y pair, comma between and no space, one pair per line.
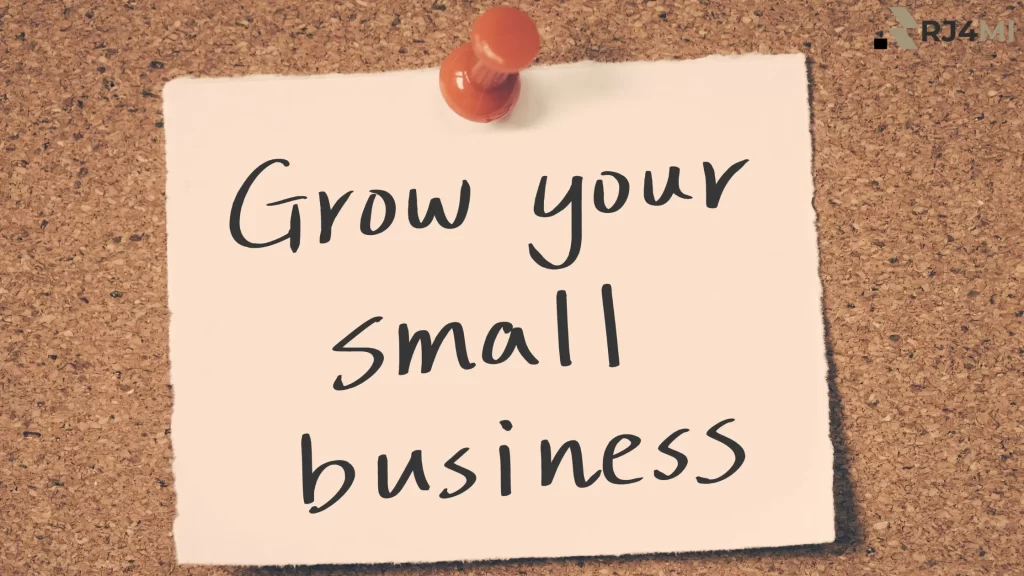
480,80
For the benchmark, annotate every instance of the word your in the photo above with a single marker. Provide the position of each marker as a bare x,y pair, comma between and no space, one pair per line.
954,30
550,461
573,200
516,343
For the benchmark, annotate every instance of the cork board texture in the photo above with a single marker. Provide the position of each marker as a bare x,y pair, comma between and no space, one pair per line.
918,176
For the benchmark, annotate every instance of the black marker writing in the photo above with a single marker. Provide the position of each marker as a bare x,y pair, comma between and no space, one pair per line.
467,474
413,469
235,222
618,448
620,196
549,464
436,210
611,453
380,206
377,355
666,448
311,476
516,343
502,341
328,213
671,188
562,314
573,200
506,462
430,347
737,452
407,347
365,225
714,189
611,332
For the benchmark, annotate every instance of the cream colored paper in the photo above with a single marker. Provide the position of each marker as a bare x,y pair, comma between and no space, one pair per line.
717,311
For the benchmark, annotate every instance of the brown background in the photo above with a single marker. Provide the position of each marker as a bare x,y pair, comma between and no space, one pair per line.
919,193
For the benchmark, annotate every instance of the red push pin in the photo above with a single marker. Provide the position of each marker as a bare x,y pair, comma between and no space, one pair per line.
480,80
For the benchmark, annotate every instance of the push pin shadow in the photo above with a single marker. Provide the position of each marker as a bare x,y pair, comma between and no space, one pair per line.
480,80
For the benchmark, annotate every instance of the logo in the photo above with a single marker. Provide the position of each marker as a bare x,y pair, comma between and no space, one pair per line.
1003,31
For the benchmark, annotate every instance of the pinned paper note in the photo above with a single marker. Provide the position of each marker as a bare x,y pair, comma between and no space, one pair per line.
593,328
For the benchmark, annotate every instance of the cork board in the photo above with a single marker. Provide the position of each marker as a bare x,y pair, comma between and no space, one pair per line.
918,162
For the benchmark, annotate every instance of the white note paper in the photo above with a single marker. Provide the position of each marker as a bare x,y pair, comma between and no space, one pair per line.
600,329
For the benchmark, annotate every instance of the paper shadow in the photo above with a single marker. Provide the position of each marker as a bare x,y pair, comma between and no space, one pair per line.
849,531
581,88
